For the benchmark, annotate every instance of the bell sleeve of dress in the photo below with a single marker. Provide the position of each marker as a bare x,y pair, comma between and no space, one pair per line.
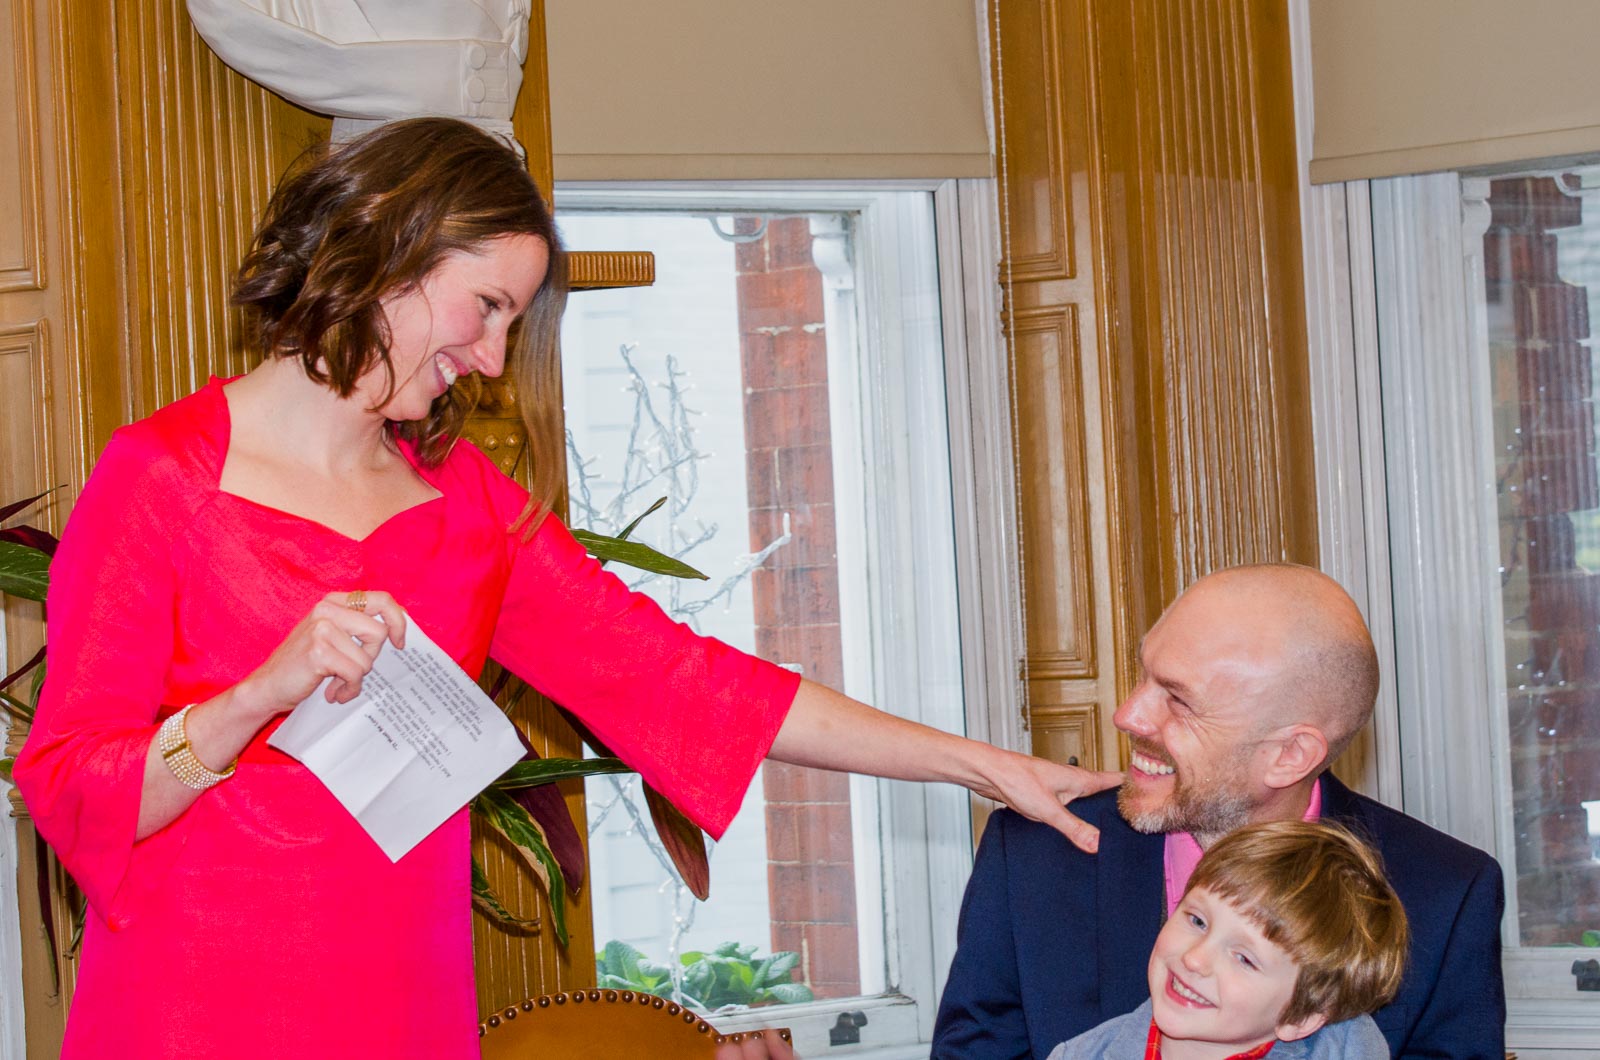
109,637
691,714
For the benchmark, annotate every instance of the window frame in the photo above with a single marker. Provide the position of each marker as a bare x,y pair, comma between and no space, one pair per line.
928,831
1402,258
1411,250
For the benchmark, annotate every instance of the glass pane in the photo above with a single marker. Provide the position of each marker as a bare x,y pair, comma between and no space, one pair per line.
725,388
1542,265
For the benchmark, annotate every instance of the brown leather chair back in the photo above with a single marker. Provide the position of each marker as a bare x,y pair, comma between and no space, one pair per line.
600,1023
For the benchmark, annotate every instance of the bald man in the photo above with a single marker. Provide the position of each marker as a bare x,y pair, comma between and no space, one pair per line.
1253,681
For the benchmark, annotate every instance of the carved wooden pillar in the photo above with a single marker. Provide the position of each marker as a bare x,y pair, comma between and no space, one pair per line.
1154,308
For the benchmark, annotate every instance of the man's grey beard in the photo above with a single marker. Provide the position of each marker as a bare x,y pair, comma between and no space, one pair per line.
1204,814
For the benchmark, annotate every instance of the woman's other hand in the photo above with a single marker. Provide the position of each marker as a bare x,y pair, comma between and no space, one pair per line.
339,638
756,1045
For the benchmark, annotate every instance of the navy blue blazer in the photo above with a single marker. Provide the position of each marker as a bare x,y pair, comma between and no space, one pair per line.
1054,941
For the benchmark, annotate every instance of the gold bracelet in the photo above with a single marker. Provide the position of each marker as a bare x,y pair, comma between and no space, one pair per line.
173,742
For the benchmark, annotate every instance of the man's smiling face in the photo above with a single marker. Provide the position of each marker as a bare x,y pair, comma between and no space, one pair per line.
1197,718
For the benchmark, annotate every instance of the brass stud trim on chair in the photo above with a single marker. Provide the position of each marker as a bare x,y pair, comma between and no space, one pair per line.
674,1013
626,997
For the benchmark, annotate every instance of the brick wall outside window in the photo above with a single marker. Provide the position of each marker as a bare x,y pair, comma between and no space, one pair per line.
789,467
1546,468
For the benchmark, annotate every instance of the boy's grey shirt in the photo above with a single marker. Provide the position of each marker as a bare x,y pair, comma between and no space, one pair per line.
1124,1038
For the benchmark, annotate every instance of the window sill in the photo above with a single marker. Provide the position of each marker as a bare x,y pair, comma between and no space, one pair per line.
890,1033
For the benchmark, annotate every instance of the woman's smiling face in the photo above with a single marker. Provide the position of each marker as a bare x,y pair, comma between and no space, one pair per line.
456,321
1215,979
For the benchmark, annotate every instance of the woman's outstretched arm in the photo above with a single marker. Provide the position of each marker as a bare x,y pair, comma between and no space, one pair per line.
829,730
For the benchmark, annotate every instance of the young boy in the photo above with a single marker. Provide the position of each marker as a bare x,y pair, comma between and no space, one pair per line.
1287,937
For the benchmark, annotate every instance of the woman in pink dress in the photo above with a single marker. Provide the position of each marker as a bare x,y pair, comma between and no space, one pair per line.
239,547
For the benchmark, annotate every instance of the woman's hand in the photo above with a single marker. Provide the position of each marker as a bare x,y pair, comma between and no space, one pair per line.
335,639
1038,788
756,1045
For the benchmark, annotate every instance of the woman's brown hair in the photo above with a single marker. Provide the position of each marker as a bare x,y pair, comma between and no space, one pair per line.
352,224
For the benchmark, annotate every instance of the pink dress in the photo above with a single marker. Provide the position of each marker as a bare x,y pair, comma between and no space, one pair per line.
264,921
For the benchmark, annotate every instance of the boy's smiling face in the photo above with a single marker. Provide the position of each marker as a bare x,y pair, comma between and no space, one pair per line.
1216,980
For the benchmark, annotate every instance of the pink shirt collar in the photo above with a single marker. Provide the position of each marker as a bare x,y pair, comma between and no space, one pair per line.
1183,852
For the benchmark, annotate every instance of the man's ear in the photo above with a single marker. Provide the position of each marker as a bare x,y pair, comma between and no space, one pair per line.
1293,1032
1297,753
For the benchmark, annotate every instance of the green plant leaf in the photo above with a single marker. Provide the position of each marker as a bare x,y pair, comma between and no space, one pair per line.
628,530
700,981
776,969
1590,938
16,708
546,805
632,554
484,898
684,842
43,859
16,675
682,838
621,959
732,975
512,821
790,993
534,771
742,977
78,902
655,974
25,571
8,510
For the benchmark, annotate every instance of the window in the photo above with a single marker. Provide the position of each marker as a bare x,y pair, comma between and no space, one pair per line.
783,385
1463,416
1542,276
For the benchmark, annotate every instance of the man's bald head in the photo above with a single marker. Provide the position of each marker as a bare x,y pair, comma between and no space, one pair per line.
1329,672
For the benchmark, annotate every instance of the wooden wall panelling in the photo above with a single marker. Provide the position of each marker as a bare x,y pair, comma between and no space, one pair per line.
84,94
1055,507
21,177
194,177
47,989
1154,140
26,463
30,329
1051,320
1037,206
1065,731
167,157
1209,335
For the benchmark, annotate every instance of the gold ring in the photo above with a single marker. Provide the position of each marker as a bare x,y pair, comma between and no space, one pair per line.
357,600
